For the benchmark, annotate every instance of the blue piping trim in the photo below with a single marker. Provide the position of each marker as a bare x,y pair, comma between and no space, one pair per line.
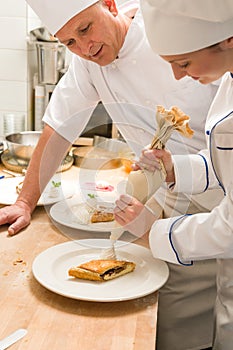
225,148
173,247
210,148
207,172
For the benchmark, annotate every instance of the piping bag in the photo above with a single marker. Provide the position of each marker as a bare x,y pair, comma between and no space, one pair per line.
142,184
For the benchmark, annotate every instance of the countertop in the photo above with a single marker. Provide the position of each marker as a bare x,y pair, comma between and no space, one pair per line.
56,322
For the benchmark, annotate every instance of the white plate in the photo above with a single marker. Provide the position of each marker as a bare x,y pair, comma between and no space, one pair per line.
8,194
50,268
64,213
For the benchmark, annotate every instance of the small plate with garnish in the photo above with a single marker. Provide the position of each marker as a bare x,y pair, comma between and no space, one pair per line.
56,190
86,212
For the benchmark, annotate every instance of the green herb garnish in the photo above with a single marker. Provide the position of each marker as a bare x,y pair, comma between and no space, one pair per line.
56,184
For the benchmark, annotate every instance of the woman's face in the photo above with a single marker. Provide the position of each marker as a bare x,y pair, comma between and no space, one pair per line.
206,65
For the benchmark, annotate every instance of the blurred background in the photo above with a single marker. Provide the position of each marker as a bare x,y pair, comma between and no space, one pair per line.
21,90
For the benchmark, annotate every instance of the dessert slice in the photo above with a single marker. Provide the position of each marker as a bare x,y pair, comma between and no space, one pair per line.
101,216
102,270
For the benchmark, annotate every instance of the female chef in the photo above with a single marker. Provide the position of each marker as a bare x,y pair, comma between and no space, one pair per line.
197,41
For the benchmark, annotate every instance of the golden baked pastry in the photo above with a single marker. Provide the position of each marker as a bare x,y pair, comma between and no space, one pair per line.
102,270
101,216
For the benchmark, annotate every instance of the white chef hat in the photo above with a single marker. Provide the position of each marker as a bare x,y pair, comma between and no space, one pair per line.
56,13
181,26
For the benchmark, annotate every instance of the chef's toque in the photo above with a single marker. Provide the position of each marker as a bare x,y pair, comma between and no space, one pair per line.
181,26
56,13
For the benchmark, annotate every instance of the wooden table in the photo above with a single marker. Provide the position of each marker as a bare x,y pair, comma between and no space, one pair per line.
56,322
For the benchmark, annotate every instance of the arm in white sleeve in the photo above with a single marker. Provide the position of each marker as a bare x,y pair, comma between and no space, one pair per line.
72,101
194,173
195,237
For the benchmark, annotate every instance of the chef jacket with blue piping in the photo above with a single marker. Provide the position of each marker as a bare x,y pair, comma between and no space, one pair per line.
207,235
130,88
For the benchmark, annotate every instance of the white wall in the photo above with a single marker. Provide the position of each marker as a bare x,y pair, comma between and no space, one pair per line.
14,74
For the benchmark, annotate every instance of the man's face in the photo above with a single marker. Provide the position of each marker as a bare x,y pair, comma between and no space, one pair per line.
95,34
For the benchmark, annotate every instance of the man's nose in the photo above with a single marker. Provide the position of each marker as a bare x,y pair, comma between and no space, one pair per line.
178,72
84,48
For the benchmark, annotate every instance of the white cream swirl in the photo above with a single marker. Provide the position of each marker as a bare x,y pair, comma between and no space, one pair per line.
109,253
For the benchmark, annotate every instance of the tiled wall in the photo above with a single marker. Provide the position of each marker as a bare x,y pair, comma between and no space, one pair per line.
16,19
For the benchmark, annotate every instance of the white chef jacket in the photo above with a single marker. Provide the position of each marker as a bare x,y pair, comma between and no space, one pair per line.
130,88
207,235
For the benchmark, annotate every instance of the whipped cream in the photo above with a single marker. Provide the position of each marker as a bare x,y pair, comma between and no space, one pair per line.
82,213
109,253
54,192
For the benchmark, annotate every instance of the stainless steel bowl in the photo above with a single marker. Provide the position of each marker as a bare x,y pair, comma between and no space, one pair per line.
22,144
105,154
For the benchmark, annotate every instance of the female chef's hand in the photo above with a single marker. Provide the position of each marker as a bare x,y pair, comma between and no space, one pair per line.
150,160
133,215
18,215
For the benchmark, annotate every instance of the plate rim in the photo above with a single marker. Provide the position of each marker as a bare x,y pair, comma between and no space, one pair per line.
75,243
77,226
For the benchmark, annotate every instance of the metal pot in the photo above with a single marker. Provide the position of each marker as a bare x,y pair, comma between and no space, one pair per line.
50,55
51,59
22,144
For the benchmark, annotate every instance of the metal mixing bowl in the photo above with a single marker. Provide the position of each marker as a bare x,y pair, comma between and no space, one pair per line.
105,154
22,144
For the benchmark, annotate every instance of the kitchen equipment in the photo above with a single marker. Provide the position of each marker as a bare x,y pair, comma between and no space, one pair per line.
51,60
20,165
12,338
41,34
97,139
22,144
20,147
43,93
95,158
50,55
12,163
100,123
13,122
1,147
107,154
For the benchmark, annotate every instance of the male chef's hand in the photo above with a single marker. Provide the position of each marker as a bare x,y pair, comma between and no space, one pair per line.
150,160
18,215
133,215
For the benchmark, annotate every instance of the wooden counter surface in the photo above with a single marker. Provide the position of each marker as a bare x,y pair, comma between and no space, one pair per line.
55,322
